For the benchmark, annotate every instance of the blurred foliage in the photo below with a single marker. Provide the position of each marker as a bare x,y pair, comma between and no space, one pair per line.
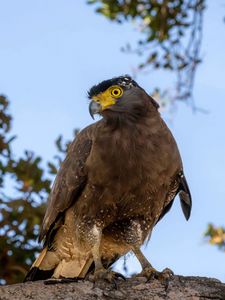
171,31
5,139
25,185
216,236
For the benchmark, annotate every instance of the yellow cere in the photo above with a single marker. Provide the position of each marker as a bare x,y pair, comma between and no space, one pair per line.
108,97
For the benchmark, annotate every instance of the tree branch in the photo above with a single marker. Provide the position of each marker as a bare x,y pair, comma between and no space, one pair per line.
179,287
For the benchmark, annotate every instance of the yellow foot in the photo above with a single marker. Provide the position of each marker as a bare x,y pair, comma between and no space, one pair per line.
107,275
151,273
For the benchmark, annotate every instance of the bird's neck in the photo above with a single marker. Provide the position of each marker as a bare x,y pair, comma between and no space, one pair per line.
119,119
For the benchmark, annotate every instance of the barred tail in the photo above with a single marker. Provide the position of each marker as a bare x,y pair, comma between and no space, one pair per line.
35,273
48,264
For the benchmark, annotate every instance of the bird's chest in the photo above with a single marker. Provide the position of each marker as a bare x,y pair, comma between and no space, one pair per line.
128,175
118,161
127,162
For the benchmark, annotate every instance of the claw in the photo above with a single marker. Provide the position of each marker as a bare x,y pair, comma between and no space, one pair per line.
118,275
114,284
108,275
150,273
166,274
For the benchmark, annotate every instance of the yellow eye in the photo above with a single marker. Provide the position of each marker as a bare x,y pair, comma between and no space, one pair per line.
116,92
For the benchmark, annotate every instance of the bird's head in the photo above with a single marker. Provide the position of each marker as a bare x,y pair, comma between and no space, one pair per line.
119,95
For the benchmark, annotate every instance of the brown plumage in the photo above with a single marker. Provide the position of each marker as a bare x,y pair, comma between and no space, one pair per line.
119,178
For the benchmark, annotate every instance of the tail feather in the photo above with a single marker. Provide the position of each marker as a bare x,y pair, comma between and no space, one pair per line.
67,260
35,273
86,268
40,258
76,267
49,264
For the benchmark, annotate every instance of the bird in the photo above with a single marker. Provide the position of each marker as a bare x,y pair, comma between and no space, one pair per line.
120,177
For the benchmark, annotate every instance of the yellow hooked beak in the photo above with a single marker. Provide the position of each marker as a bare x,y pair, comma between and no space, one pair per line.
104,99
100,103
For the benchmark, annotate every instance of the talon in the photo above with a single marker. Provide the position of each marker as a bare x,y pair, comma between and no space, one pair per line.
109,276
151,273
148,272
166,274
118,275
115,284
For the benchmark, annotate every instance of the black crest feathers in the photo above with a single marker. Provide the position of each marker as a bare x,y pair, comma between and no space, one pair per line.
123,81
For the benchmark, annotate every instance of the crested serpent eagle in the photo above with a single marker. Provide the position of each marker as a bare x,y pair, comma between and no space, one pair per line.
119,178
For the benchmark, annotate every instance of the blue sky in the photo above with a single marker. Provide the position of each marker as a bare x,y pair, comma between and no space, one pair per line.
52,52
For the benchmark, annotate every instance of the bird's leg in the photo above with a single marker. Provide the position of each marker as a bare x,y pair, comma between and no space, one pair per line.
142,259
96,252
147,269
100,272
135,237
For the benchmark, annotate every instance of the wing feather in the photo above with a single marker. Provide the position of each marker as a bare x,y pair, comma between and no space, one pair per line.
178,186
70,180
185,197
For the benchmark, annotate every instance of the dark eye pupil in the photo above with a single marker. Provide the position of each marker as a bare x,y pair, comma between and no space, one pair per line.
116,92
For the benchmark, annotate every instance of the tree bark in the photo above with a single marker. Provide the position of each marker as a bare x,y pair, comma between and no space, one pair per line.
179,287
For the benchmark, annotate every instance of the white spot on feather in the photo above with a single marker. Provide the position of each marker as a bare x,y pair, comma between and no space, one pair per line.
138,230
